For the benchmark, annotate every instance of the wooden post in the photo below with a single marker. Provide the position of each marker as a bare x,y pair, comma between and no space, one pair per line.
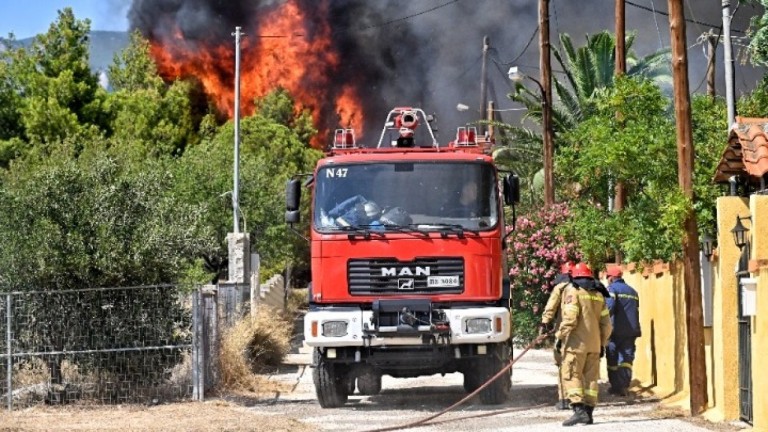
621,52
491,118
546,103
685,157
620,191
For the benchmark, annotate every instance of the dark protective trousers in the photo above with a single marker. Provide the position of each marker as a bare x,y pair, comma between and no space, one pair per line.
620,354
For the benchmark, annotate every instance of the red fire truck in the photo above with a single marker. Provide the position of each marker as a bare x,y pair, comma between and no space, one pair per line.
408,261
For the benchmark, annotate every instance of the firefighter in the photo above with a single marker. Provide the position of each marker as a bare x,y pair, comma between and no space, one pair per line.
620,352
582,336
550,318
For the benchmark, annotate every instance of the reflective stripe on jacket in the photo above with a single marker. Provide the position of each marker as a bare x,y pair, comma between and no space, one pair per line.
586,324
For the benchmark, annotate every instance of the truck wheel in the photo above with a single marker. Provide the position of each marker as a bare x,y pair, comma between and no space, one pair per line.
498,391
471,379
330,383
369,384
350,385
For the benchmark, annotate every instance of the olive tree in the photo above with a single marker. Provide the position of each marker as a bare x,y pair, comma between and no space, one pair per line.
69,223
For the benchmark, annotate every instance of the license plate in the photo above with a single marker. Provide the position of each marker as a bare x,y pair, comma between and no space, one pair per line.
442,281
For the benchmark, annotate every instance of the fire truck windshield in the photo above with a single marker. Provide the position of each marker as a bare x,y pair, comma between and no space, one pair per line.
420,195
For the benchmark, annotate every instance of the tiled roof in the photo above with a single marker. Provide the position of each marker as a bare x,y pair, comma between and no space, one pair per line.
746,152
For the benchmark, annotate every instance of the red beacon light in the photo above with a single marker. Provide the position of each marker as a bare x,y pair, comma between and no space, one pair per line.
466,137
344,138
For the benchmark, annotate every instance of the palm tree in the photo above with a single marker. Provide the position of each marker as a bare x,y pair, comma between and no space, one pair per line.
586,70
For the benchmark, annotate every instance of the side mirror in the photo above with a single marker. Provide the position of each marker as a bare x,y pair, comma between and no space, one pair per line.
292,200
511,186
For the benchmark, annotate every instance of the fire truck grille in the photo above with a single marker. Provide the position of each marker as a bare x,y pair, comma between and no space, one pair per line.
384,276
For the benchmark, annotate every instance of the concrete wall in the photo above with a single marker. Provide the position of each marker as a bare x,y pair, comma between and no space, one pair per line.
272,293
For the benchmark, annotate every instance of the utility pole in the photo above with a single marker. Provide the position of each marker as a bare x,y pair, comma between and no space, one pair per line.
491,118
546,115
236,186
619,70
238,242
711,57
484,81
728,59
621,51
697,371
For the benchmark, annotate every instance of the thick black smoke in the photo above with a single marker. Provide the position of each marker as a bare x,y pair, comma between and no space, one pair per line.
417,53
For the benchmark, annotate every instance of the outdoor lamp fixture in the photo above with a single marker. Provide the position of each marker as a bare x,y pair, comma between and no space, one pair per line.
707,244
515,75
740,232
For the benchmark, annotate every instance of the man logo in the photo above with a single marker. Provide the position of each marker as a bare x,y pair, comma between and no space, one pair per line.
405,284
405,271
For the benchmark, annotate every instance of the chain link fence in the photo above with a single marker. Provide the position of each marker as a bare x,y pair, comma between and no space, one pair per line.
146,344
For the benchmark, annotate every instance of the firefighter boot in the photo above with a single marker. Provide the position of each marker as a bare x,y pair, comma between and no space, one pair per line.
589,410
579,416
563,404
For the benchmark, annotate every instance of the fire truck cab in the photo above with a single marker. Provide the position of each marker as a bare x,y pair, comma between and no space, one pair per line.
407,260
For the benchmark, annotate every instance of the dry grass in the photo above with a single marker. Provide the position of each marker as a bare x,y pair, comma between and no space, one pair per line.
252,346
297,301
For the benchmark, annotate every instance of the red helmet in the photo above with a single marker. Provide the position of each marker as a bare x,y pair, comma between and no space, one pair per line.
581,270
566,267
613,271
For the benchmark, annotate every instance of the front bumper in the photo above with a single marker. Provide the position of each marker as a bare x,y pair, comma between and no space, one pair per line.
361,329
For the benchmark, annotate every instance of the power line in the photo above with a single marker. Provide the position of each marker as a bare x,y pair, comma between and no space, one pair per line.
646,8
386,23
656,21
527,45
373,26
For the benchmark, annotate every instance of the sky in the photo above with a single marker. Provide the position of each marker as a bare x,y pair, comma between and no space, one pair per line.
24,19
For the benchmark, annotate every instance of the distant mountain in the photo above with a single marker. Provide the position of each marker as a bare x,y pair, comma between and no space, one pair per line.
104,45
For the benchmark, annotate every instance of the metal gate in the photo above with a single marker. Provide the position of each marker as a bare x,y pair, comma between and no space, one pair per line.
745,346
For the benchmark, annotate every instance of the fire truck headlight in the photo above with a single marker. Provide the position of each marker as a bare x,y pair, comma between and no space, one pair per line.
334,328
478,325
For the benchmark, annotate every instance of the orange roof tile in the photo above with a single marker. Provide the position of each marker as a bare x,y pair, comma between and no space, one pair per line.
746,152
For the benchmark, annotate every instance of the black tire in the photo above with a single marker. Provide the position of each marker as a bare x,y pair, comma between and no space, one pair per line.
498,391
350,385
471,379
369,384
330,384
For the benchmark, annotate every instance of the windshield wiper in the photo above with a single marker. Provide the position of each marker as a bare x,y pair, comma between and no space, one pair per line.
411,228
446,229
359,230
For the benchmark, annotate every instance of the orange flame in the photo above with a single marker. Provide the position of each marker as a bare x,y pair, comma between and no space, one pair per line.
284,54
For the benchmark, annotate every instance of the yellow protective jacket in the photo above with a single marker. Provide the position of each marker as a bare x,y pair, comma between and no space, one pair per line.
586,322
553,303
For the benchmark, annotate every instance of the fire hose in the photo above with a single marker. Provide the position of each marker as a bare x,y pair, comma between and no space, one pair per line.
424,421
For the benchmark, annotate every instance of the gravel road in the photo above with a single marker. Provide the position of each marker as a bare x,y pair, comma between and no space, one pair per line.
403,401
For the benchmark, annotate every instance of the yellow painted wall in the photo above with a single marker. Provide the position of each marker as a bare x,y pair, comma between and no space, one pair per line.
724,372
661,360
759,231
661,364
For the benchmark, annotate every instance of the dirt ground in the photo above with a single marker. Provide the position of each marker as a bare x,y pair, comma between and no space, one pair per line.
287,402
215,415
